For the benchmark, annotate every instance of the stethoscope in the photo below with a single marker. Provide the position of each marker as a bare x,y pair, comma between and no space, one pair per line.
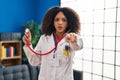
40,54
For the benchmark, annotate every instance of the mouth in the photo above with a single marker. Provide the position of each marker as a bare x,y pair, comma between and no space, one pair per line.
60,27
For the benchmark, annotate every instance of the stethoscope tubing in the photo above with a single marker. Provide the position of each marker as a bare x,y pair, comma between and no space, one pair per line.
40,54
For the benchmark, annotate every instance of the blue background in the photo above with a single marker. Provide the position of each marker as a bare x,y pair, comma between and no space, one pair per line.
15,13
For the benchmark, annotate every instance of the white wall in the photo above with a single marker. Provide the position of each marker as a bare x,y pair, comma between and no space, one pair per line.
100,29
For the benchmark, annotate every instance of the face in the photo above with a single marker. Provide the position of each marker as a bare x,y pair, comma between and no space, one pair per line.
60,22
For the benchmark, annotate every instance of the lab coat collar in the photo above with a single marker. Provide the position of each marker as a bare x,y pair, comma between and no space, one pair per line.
52,39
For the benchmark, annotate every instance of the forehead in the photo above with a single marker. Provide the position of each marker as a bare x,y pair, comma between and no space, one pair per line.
60,14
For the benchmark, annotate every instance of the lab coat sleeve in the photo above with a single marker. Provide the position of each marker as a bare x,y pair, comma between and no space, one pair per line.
33,59
78,45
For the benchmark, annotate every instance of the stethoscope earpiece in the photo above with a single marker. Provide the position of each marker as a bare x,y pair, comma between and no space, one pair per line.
27,30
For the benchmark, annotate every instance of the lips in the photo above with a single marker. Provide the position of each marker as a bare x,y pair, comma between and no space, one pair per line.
60,27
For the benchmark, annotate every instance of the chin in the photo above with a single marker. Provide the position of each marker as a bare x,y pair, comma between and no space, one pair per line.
61,31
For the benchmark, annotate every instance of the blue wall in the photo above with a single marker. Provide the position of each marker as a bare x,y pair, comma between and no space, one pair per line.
43,6
14,13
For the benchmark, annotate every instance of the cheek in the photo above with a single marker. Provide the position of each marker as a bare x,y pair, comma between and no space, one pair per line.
66,26
55,25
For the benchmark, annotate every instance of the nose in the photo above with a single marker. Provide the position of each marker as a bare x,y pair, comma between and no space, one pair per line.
60,21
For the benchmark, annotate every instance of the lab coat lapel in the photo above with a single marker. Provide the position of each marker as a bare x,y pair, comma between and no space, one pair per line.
51,41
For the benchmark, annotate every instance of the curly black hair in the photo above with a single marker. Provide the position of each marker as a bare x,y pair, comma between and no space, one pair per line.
47,25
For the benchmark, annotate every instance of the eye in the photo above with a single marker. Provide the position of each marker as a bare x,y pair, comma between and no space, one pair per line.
56,19
64,20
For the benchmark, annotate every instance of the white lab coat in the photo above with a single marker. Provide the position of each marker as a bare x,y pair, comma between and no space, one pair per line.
58,68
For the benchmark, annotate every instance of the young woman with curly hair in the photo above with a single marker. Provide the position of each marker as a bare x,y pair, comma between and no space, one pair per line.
61,29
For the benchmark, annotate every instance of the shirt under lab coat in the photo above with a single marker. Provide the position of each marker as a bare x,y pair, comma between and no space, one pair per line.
58,68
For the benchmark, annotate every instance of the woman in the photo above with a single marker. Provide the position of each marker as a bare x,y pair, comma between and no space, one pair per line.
60,28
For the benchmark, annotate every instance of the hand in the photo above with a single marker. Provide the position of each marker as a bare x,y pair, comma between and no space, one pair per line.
27,37
71,38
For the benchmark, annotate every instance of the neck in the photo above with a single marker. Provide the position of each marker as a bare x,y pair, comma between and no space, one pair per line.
59,35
